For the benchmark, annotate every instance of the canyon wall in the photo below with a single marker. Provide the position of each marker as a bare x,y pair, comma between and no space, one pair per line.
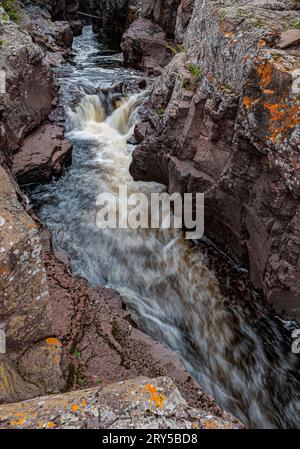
223,119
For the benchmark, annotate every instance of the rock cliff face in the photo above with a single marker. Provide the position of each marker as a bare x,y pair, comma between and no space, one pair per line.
224,119
61,10
111,17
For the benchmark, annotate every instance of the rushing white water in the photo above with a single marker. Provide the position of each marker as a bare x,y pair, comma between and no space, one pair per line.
235,349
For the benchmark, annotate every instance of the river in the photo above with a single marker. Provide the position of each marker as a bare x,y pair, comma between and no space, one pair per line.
231,344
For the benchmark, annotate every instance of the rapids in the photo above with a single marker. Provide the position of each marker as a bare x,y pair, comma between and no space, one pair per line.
235,348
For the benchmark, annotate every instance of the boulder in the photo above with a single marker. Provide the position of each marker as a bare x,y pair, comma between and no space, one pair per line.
145,46
42,154
289,38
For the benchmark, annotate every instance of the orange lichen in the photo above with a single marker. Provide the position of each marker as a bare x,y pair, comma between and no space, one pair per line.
265,72
21,421
51,425
53,342
75,408
283,115
247,102
155,397
3,271
261,43
283,118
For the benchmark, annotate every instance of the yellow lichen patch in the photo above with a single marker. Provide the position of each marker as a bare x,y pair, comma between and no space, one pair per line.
75,408
84,403
155,397
21,421
32,226
53,342
51,425
210,424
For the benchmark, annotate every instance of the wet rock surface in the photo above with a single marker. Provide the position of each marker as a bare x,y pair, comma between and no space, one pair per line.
142,403
223,119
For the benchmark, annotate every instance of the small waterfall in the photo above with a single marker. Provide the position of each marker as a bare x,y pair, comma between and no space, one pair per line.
234,348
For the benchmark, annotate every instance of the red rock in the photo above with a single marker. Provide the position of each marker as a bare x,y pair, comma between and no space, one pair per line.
42,154
145,46
289,38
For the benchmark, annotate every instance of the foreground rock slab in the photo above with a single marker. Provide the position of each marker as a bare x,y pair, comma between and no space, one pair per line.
141,403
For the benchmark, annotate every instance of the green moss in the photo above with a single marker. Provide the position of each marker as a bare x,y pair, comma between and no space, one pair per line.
77,353
195,71
297,24
161,112
71,377
258,23
11,9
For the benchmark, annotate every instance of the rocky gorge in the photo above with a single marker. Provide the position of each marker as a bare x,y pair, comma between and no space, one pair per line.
222,118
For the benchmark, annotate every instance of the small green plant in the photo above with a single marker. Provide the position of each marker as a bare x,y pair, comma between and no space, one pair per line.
161,111
81,381
77,353
195,71
276,57
297,24
10,7
185,83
